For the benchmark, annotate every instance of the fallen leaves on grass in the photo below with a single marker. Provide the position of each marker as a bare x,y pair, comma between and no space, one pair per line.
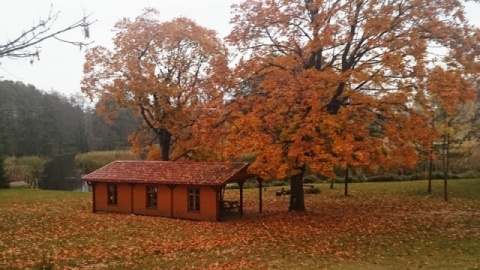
66,234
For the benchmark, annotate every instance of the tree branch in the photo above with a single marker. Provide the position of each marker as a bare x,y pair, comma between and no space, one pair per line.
26,45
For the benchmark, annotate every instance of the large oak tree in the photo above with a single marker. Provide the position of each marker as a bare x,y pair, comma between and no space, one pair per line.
341,82
162,70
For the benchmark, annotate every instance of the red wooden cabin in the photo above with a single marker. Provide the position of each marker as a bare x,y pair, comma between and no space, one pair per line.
188,190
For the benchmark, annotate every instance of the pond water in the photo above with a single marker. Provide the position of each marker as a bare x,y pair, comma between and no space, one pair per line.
61,174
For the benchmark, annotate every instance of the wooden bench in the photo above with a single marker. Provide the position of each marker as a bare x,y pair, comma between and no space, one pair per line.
288,192
283,192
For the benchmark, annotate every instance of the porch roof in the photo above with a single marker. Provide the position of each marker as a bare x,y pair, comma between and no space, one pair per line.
170,172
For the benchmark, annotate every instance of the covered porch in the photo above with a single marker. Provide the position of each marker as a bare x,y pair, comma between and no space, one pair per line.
234,205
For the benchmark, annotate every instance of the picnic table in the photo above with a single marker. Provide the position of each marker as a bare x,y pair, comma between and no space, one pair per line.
282,192
228,205
288,192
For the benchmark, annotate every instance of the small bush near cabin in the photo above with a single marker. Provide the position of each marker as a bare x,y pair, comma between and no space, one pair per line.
311,178
313,190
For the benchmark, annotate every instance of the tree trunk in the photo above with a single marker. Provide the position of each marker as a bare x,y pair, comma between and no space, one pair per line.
346,181
297,202
164,139
430,171
445,188
335,103
446,166
331,183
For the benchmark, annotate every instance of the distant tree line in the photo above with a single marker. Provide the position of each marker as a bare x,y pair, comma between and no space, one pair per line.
33,122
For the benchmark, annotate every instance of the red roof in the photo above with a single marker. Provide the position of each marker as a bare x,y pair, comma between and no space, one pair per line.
170,172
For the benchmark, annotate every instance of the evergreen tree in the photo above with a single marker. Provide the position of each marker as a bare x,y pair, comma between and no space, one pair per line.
3,177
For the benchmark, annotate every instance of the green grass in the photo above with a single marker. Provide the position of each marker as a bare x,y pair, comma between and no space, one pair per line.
395,225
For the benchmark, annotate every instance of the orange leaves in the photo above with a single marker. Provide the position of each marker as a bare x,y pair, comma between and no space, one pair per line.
394,61
453,94
335,81
161,70
154,152
450,88
323,83
389,220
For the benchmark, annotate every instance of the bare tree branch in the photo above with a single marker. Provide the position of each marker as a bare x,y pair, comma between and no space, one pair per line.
27,44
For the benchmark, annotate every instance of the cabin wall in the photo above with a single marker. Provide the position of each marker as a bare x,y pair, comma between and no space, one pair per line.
163,201
124,198
208,203
168,200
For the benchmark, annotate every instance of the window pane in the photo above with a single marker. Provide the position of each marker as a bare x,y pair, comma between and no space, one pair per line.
112,194
194,199
151,197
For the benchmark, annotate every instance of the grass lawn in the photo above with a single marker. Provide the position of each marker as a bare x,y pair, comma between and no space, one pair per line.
394,225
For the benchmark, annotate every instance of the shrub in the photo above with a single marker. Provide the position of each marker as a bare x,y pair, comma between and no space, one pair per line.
470,175
454,176
27,169
231,186
385,178
313,190
418,176
250,184
339,180
358,178
279,183
249,157
89,162
437,175
311,178
3,176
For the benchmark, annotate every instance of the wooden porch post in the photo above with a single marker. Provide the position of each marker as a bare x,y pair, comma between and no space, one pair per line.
92,184
217,202
132,186
171,187
260,195
218,199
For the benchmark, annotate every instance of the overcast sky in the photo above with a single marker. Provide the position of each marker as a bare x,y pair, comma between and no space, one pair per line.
60,65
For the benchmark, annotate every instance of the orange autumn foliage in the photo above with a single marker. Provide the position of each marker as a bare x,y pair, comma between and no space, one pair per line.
164,71
335,83
450,88
338,82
